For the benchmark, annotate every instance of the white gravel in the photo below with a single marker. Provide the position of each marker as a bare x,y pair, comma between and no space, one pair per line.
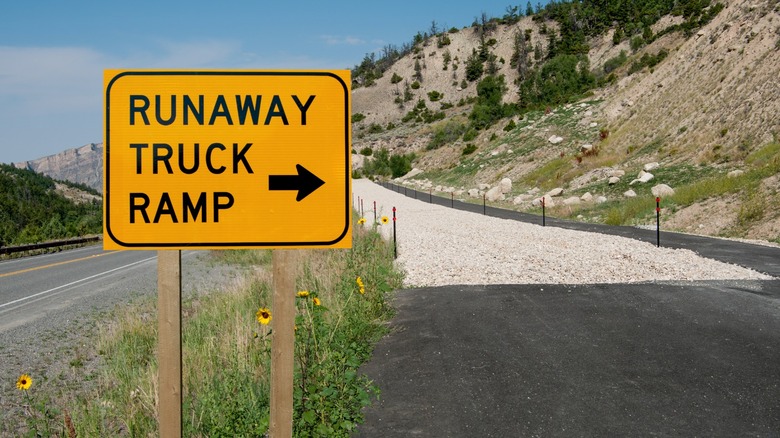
440,246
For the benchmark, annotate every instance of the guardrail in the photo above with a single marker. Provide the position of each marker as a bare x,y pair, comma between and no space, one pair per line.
44,245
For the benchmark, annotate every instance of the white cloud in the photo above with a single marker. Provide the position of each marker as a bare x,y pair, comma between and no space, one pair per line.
44,78
333,40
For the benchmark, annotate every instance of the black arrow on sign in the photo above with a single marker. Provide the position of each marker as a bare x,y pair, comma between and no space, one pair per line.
304,182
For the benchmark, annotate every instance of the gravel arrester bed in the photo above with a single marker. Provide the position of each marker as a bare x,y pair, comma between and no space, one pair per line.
440,246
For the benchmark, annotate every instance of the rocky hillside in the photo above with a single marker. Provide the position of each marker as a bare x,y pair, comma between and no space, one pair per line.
695,104
82,165
706,104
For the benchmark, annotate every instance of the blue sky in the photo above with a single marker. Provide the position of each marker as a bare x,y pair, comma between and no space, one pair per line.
53,52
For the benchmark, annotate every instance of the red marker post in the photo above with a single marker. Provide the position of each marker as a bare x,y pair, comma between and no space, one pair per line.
395,244
374,211
658,221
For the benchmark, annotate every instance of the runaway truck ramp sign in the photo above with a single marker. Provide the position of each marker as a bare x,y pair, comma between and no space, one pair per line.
227,159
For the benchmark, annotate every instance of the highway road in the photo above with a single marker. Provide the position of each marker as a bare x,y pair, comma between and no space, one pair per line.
75,281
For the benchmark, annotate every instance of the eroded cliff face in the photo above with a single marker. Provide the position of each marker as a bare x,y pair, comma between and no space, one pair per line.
82,165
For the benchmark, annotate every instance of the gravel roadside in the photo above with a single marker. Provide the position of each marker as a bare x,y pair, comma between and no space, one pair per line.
59,351
440,246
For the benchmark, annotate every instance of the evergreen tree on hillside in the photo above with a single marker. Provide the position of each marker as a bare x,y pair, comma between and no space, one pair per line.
31,211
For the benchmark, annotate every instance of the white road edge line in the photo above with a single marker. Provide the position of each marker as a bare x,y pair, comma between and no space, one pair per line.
74,282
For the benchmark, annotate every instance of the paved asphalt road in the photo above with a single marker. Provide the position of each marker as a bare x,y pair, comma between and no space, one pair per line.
32,287
697,359
661,359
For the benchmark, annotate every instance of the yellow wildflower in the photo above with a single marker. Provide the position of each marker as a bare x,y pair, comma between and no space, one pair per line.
303,294
316,301
263,316
361,221
385,220
24,382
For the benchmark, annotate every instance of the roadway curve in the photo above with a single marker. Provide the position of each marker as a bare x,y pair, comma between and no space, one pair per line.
33,287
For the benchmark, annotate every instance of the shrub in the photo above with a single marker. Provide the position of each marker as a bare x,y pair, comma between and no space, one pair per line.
400,165
446,133
510,126
471,134
469,149
637,42
613,63
375,128
367,151
415,85
358,117
435,96
474,67
396,79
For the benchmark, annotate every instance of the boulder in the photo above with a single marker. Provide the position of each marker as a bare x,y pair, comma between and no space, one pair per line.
505,185
484,186
534,191
412,173
735,173
630,194
642,178
651,166
586,148
494,194
474,193
613,180
521,199
616,172
555,139
587,197
572,200
548,202
601,199
555,192
662,190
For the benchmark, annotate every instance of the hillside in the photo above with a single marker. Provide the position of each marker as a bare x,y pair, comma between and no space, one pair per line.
35,208
693,94
700,102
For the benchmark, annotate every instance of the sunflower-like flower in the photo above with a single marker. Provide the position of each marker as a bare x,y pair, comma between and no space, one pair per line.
24,382
361,221
263,316
361,286
385,220
303,294
316,301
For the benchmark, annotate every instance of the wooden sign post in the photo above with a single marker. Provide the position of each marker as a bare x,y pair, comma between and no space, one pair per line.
169,350
282,344
278,167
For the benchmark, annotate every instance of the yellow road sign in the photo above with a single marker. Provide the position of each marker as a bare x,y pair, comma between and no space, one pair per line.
227,159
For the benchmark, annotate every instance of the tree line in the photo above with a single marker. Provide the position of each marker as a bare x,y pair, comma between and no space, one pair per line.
32,211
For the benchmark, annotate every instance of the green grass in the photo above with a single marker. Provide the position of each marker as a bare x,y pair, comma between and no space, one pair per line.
548,176
226,351
692,184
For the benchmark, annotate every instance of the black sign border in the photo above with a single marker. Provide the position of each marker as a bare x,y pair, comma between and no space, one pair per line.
218,245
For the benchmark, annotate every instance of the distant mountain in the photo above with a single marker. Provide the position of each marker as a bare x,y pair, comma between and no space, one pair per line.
82,165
